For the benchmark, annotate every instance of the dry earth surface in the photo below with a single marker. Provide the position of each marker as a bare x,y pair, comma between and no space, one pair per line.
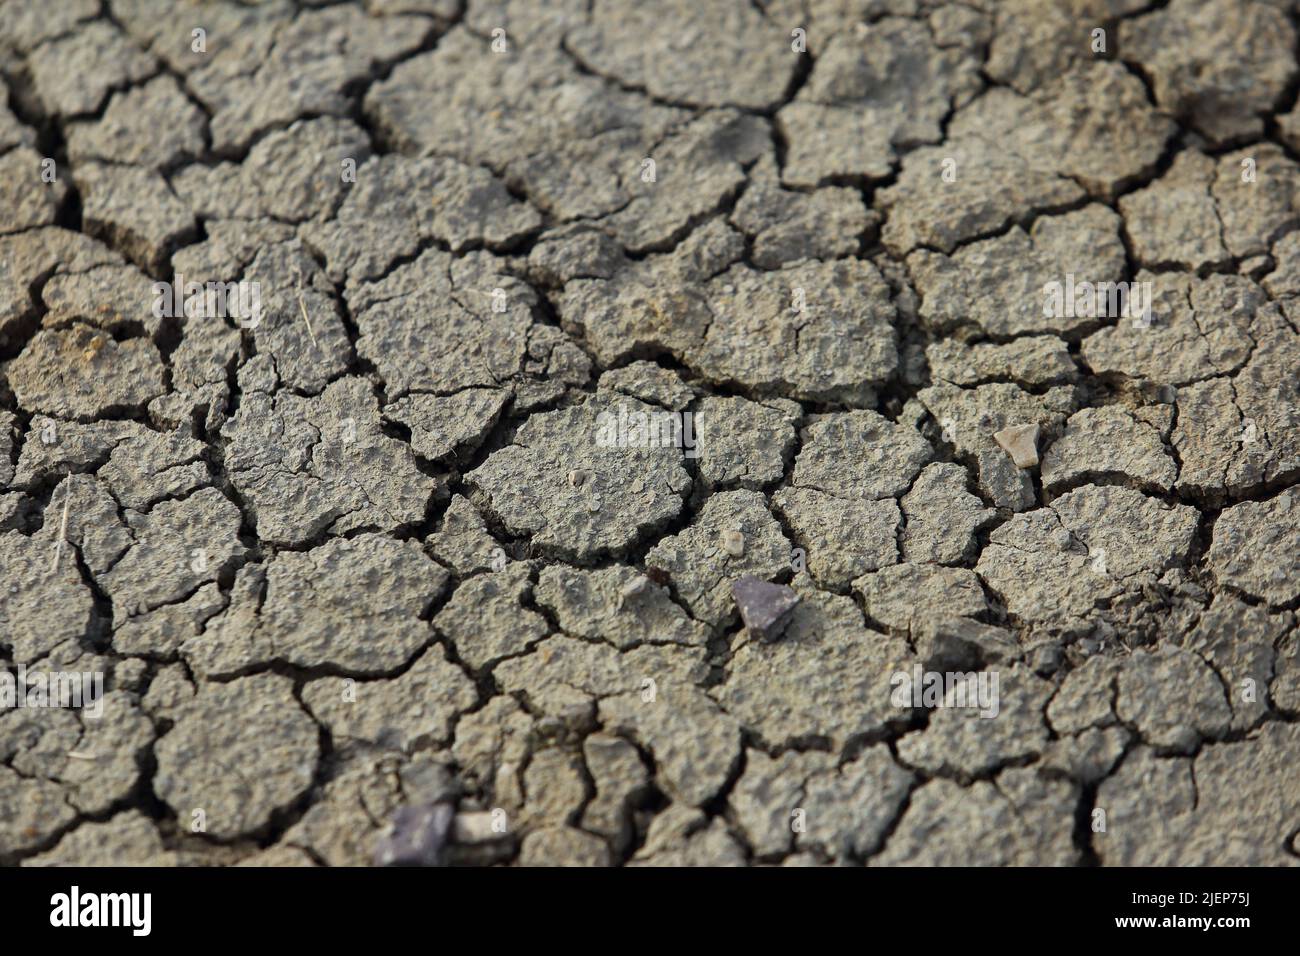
366,581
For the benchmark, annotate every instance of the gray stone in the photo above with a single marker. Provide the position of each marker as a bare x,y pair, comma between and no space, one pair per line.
764,608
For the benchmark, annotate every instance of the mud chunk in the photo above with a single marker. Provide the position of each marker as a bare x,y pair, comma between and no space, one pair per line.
56,448
1004,285
1236,436
134,209
413,710
299,326
563,676
149,466
239,752
125,132
575,251
620,780
988,720
768,797
942,517
81,373
92,525
397,203
616,605
27,25
636,486
842,539
694,743
1033,360
317,465
12,131
486,620
344,824
1238,641
554,787
848,809
650,383
962,643
859,455
969,419
1174,221
127,839
1222,98
563,846
352,604
307,71
35,811
816,331
106,59
827,678
1185,811
161,632
749,62
292,174
1062,562
116,298
1256,548
900,596
1086,697
1198,328
702,573
93,753
682,836
870,96
492,746
1021,818
442,325
1033,44
177,547
36,255
1108,442
744,442
923,211
26,200
647,202
442,426
1092,128
1255,193
1178,725
463,543
786,226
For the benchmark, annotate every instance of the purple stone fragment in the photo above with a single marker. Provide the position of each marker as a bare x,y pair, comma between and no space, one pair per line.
764,607
416,836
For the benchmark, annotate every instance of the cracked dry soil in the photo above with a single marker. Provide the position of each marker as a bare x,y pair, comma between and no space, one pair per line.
363,584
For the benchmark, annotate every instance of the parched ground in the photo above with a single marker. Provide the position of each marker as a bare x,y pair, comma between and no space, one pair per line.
365,586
